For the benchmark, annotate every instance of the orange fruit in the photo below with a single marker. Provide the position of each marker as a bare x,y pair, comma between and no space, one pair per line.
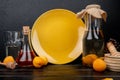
107,79
99,65
93,56
88,60
44,59
39,61
8,59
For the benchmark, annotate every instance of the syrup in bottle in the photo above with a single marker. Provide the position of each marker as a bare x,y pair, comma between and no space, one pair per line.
26,54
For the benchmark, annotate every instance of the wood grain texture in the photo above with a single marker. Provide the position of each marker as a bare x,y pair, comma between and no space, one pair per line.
56,72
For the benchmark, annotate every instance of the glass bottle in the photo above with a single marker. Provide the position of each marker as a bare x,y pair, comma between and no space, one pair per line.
93,40
26,54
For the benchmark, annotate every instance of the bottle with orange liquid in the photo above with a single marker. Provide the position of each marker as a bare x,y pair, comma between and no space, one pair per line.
26,54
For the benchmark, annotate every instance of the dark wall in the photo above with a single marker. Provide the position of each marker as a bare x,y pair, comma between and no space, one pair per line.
16,13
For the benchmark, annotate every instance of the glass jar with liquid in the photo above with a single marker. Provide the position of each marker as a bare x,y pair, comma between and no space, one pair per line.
26,54
93,39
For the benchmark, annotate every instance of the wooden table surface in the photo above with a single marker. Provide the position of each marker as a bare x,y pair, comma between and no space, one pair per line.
56,72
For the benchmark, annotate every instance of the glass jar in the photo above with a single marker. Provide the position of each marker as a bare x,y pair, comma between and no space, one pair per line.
13,43
93,40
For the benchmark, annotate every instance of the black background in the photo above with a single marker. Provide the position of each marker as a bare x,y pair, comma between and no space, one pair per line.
16,13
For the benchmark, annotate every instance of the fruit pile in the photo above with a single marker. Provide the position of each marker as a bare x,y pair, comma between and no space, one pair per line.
97,63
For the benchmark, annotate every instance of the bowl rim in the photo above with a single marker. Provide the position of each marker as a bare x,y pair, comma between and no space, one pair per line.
110,56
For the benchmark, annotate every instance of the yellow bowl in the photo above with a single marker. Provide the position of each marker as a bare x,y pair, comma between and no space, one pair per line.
57,34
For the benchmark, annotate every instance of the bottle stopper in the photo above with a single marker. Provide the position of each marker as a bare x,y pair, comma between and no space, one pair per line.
26,30
94,10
